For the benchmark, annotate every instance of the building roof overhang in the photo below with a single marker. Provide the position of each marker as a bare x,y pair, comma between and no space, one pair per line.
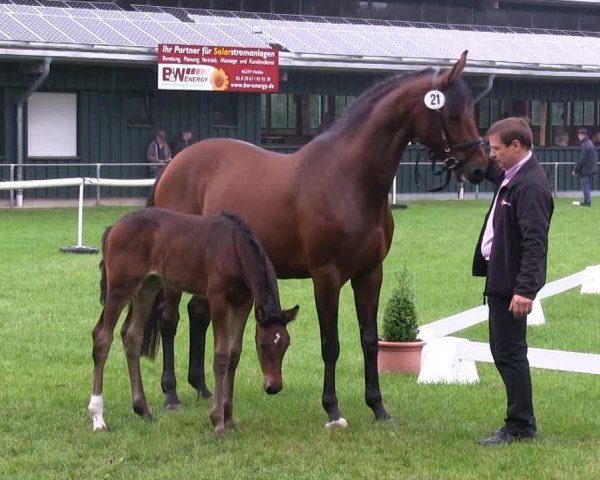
146,57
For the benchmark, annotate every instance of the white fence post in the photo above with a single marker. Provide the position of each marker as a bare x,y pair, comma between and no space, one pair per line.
80,217
591,280
536,317
440,360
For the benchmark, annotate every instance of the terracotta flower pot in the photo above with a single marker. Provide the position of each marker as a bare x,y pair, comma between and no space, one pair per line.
399,357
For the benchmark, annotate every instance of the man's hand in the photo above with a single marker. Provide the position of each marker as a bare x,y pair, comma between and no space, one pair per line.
520,306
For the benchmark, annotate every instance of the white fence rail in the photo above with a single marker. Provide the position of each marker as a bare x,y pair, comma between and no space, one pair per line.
81,183
95,170
538,358
452,360
86,170
468,318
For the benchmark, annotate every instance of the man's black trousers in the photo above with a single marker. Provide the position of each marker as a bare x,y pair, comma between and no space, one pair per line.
509,348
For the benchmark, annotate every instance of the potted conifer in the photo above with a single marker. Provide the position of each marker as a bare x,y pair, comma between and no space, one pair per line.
399,347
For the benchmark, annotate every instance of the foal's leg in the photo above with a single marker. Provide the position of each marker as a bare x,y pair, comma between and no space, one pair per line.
220,316
168,329
199,315
132,334
237,318
366,298
327,285
103,336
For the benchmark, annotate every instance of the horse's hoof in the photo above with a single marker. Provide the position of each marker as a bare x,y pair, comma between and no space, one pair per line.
220,432
339,423
172,406
388,419
172,402
149,418
204,393
384,417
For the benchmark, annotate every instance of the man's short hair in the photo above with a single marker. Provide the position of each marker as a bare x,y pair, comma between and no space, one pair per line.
511,129
582,131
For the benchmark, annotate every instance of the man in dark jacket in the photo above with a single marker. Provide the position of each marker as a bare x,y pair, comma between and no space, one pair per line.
184,141
586,166
158,152
511,254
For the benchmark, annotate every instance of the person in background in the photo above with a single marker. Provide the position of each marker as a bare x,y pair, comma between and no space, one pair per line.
562,140
511,253
184,141
158,151
586,167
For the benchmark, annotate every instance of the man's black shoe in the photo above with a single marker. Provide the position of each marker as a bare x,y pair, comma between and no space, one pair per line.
586,204
503,437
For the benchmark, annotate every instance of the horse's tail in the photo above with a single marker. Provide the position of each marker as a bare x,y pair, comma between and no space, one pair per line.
103,268
150,200
151,339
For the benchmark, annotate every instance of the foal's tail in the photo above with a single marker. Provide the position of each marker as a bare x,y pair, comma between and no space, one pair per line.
151,340
103,268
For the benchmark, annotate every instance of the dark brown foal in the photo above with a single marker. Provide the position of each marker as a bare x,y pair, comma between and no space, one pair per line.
216,257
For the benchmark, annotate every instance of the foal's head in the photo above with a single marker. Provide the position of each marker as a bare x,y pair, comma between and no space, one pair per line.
447,125
272,341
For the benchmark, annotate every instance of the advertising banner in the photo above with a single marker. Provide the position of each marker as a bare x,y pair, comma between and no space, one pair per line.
216,68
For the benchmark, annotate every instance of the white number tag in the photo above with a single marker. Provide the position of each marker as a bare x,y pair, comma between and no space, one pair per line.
434,99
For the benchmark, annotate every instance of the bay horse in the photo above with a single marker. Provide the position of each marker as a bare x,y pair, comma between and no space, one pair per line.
322,212
215,257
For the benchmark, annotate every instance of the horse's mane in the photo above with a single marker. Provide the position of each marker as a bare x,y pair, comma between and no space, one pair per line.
260,271
457,93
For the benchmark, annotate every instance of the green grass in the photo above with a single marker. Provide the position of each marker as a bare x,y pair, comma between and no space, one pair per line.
49,305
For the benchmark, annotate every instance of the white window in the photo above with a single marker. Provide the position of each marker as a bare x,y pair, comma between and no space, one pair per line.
52,125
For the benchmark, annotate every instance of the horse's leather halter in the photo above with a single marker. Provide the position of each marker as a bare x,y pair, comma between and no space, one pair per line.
450,161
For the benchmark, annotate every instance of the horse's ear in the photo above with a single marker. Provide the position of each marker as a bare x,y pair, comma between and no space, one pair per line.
291,313
447,77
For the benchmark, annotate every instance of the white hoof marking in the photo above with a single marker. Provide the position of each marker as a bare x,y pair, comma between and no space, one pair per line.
96,409
339,423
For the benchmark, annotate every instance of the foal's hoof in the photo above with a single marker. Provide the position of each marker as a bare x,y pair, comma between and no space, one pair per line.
339,423
149,418
231,425
100,428
220,432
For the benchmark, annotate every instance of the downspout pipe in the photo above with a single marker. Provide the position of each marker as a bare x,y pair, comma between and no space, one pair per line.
487,90
20,103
